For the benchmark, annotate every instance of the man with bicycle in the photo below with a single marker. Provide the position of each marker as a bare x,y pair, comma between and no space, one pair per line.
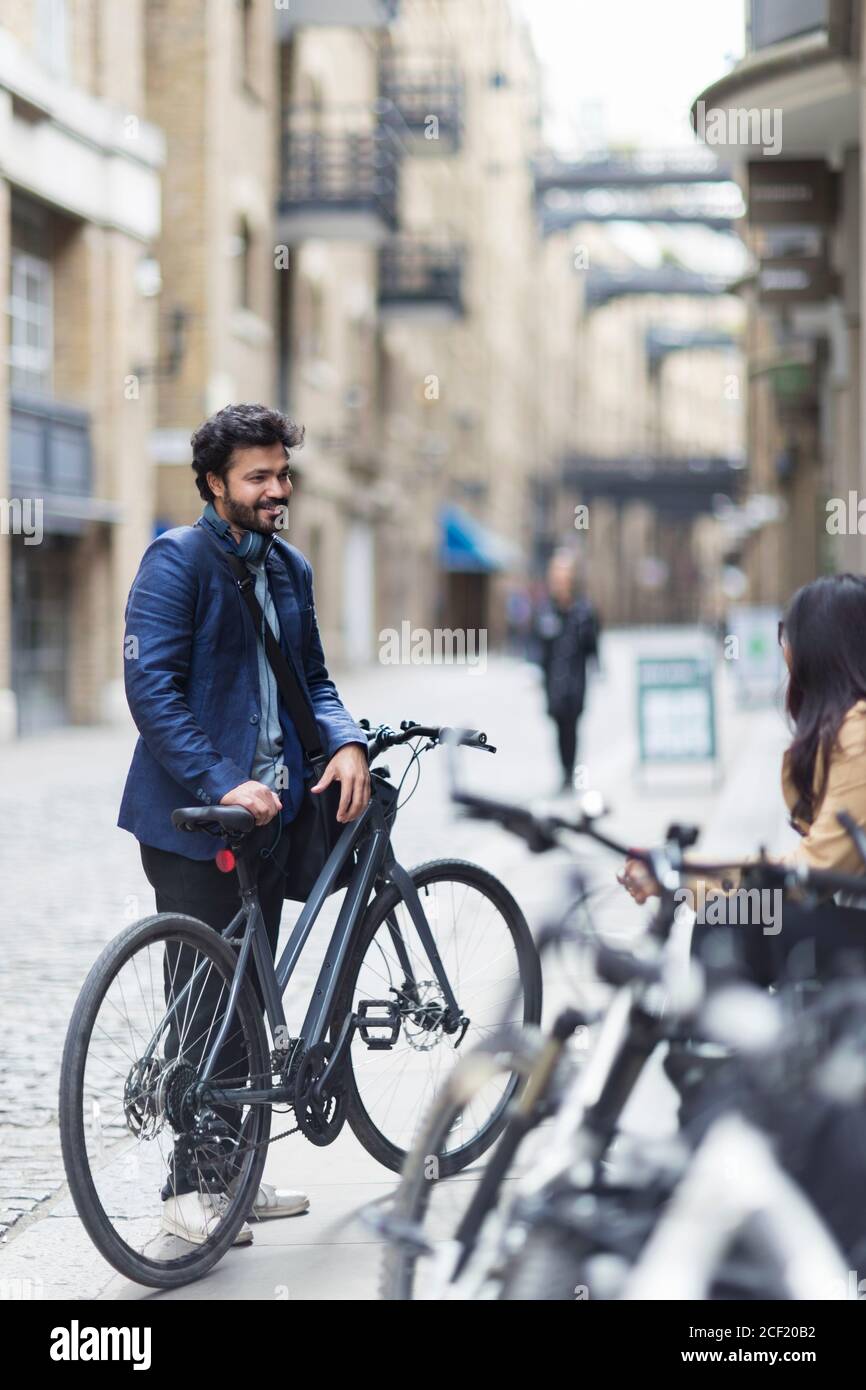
213,726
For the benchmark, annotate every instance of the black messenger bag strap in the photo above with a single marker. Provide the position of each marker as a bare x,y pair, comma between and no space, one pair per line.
286,679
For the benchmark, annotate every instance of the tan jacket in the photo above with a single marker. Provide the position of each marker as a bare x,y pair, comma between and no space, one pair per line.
825,844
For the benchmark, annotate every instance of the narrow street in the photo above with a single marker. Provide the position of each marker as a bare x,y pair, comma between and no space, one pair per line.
60,793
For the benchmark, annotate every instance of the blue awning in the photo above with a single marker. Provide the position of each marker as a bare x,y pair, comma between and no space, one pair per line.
466,546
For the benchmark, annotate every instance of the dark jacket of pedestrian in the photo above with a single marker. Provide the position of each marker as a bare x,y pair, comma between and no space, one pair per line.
567,638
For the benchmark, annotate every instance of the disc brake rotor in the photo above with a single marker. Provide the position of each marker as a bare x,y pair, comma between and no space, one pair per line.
141,1098
422,1024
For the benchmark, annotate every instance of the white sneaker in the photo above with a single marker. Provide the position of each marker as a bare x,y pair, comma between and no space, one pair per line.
194,1216
278,1201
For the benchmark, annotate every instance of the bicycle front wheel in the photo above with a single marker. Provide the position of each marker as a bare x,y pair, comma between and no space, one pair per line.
491,963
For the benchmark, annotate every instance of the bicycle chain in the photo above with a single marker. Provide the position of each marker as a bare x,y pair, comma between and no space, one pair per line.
269,1076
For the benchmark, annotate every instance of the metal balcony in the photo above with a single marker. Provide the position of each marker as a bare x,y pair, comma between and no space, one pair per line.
49,447
336,184
661,341
774,21
50,461
562,219
647,169
420,280
423,98
604,285
343,14
676,487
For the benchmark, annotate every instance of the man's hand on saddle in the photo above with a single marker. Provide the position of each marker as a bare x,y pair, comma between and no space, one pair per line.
256,798
350,768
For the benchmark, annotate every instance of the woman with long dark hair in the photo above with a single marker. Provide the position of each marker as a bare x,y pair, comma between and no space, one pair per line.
823,637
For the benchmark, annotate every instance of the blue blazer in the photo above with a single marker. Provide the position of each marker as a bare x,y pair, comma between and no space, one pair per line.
192,682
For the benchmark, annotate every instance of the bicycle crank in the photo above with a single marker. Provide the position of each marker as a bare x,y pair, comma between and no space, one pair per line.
320,1111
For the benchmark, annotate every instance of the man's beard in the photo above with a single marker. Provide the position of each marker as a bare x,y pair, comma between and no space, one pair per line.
259,518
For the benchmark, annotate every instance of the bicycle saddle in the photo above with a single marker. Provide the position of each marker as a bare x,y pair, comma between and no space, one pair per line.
235,820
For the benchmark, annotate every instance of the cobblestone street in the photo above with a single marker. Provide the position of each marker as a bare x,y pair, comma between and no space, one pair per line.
381,366
71,880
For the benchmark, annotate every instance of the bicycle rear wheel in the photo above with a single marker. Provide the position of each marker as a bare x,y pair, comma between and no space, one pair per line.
131,1123
492,965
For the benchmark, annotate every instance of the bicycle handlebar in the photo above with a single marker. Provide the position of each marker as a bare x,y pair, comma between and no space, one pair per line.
540,832
793,876
543,833
380,739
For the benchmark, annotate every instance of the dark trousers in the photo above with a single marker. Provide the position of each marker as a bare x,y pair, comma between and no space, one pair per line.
812,946
197,888
566,735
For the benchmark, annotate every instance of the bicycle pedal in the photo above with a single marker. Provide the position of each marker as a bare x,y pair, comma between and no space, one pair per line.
388,1020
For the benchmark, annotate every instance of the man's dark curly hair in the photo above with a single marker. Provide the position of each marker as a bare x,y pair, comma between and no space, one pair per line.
238,427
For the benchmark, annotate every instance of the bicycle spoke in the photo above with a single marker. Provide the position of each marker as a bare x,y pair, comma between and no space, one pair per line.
156,1021
475,944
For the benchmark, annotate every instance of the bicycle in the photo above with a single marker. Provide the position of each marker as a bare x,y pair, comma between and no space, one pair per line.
156,1078
460,1265
531,1250
733,1211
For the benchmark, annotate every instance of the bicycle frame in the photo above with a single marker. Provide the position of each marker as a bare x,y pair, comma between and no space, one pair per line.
583,1129
707,1212
376,864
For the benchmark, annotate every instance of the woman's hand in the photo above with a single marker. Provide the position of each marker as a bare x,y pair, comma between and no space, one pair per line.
638,881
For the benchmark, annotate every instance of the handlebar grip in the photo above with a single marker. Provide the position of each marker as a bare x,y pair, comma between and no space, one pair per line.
837,883
789,877
476,738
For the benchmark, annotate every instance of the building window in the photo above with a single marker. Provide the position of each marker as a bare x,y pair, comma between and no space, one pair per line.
52,36
30,309
247,17
241,249
311,321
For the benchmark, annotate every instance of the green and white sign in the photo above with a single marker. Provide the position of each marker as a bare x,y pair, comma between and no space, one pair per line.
676,709
755,655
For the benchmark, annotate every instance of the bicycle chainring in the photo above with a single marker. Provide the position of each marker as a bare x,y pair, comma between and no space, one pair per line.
320,1119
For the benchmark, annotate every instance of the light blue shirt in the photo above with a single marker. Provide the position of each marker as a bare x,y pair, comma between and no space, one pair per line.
268,765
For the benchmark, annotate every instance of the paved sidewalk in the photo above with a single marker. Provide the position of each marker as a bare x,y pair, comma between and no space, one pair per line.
79,880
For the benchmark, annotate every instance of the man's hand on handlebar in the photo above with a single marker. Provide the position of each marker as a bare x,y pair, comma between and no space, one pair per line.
349,767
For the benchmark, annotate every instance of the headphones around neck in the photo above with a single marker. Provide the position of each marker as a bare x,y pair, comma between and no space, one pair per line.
253,546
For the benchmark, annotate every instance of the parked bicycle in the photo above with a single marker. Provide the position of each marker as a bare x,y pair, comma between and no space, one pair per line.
514,1237
420,1264
418,969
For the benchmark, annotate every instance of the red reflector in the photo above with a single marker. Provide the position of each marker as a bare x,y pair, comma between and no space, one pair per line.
225,860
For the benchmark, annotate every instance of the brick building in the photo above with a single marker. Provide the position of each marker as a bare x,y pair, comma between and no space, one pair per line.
80,173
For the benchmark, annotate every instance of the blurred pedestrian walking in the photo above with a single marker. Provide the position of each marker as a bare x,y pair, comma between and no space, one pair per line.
566,630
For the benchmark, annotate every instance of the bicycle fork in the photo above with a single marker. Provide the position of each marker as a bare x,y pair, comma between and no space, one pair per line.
378,1020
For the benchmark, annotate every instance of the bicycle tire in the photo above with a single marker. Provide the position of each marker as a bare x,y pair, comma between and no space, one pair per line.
462,872
127,1261
511,1050
546,1269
